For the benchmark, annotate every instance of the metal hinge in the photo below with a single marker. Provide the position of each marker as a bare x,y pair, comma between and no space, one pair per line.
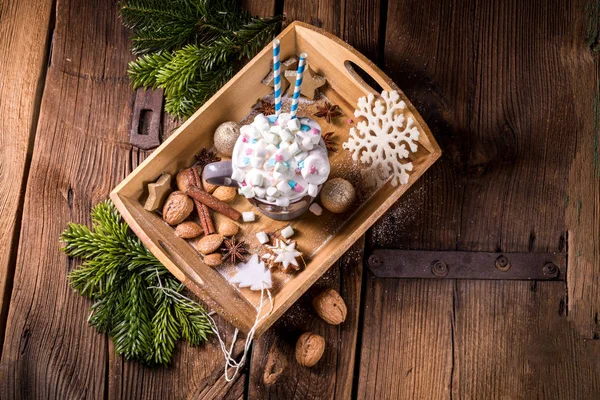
386,263
146,119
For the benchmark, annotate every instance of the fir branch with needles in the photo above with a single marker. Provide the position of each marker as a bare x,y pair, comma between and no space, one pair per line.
190,48
136,299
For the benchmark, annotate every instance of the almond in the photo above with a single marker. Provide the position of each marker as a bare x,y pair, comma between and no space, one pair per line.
208,244
330,306
309,349
213,260
177,208
188,230
225,193
227,228
184,179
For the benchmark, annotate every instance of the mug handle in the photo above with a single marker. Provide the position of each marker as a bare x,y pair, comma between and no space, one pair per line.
219,173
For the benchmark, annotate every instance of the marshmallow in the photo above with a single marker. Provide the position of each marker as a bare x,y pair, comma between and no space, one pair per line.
257,179
284,187
315,209
307,143
249,130
287,232
285,155
271,199
238,175
257,162
313,190
275,129
315,169
294,148
282,202
301,156
248,216
272,191
247,191
271,149
260,119
262,237
284,118
281,168
294,124
278,175
259,191
286,135
272,138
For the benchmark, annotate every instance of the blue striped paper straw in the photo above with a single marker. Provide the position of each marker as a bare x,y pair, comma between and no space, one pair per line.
277,76
299,74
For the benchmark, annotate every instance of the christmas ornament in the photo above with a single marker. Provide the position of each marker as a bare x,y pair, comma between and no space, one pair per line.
337,195
381,140
283,254
253,274
225,137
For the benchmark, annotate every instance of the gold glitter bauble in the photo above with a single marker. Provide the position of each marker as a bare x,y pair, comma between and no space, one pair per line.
337,195
225,137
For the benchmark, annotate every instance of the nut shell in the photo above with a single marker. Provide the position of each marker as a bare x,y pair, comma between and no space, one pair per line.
188,230
177,208
225,193
337,195
330,306
209,244
228,228
184,179
208,187
213,260
309,349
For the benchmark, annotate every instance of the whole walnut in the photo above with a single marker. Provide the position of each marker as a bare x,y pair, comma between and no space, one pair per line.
309,349
177,208
330,306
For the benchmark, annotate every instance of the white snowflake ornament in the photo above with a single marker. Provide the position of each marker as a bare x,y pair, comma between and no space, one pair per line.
253,274
381,141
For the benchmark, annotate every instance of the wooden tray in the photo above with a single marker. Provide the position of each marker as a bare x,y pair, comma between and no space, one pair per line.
322,239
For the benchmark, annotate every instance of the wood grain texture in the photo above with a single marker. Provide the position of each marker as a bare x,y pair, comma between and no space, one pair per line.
81,153
583,193
25,28
515,342
406,339
479,74
274,372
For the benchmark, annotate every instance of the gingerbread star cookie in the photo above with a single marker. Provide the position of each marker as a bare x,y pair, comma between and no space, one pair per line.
310,82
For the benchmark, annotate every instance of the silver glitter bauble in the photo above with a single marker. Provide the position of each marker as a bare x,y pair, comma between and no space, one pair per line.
225,137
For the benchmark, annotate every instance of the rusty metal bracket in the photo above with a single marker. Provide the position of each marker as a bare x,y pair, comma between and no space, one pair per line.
385,263
146,119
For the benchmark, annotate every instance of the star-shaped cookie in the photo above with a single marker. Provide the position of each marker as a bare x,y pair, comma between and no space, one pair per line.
310,82
158,192
284,254
291,64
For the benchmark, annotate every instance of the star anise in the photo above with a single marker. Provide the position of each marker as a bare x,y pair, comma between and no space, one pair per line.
265,107
235,251
330,142
206,156
328,111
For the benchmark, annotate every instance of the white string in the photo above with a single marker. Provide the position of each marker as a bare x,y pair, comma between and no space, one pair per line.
230,362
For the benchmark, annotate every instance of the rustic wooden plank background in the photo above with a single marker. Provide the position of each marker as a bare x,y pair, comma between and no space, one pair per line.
509,88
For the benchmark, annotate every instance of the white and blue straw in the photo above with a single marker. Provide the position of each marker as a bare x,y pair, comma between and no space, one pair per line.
299,74
277,76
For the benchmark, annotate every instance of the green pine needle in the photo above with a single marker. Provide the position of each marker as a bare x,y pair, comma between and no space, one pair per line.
190,48
130,289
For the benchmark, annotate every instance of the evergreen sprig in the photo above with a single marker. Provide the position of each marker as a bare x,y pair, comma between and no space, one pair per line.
136,299
190,48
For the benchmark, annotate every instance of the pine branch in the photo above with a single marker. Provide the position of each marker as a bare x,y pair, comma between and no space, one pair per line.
119,274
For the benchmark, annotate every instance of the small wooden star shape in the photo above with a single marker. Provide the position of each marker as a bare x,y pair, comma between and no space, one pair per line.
310,82
290,64
158,192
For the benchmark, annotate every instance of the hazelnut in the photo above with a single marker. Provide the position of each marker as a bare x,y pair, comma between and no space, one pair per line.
188,230
177,208
330,306
309,349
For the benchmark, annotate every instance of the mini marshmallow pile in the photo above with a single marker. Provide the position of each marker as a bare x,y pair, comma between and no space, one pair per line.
280,160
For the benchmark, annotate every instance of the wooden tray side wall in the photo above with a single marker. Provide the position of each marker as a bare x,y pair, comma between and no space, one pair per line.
327,56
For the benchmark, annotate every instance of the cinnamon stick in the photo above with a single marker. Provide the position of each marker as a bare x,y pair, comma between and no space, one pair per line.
212,202
203,213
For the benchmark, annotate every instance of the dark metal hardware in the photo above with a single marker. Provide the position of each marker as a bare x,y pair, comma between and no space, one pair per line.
386,263
146,119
